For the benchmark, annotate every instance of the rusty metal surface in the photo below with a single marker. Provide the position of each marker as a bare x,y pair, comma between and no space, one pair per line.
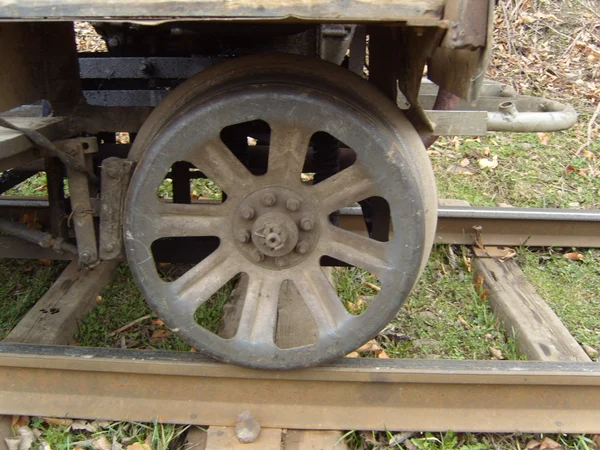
490,396
418,11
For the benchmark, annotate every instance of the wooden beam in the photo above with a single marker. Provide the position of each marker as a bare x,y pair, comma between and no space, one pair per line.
539,332
54,318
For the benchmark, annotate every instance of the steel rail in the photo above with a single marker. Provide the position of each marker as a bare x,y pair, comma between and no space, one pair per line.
533,227
420,395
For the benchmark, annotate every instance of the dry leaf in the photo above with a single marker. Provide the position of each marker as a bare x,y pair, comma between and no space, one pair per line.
98,299
101,443
85,426
45,262
486,163
157,323
27,437
138,446
478,282
383,355
569,169
20,421
484,295
45,446
372,286
531,445
371,346
465,162
461,170
588,154
574,256
159,335
510,253
353,355
596,439
12,443
355,306
464,323
496,353
544,138
57,421
548,443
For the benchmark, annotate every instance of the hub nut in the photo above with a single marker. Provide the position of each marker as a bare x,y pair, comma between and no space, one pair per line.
302,247
281,262
242,236
257,256
292,204
306,224
268,199
247,213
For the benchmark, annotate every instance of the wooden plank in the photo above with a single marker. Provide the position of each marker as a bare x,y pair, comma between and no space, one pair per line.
224,438
422,11
539,332
313,440
13,143
195,439
5,430
54,318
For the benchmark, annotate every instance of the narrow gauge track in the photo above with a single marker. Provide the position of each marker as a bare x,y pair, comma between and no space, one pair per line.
462,225
420,395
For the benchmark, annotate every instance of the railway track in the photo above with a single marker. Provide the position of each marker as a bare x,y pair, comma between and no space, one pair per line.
556,394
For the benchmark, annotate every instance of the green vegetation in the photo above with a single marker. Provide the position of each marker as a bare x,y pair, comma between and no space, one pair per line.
534,170
22,283
571,288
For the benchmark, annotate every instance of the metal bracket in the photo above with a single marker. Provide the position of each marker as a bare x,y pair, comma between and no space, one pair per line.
116,173
82,216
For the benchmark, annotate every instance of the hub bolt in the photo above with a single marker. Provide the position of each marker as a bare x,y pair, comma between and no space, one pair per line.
302,247
281,262
306,224
268,199
242,236
292,204
257,256
247,213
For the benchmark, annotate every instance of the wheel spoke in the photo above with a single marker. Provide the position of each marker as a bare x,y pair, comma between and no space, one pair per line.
198,284
360,251
287,152
219,164
259,313
344,188
181,220
321,300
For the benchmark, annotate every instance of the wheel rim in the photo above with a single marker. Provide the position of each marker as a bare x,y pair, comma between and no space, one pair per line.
275,228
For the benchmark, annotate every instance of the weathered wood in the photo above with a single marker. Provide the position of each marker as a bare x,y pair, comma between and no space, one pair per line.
54,318
421,11
224,438
313,440
539,332
5,430
195,439
16,148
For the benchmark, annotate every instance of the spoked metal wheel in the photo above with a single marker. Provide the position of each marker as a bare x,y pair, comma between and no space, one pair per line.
274,227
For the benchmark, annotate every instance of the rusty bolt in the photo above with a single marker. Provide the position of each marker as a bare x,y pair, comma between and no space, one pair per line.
302,247
242,236
292,204
257,256
306,224
85,256
281,262
247,213
268,199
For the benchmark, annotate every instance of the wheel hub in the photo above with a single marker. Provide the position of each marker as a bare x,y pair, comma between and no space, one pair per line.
275,227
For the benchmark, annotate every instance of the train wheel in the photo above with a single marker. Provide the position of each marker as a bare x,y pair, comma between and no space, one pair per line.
274,227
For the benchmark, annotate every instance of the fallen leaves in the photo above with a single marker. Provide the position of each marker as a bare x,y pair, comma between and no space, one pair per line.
373,347
464,323
574,256
546,444
486,163
496,354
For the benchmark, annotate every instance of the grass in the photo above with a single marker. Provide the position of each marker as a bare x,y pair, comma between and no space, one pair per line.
571,288
22,283
363,440
429,324
534,170
140,436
